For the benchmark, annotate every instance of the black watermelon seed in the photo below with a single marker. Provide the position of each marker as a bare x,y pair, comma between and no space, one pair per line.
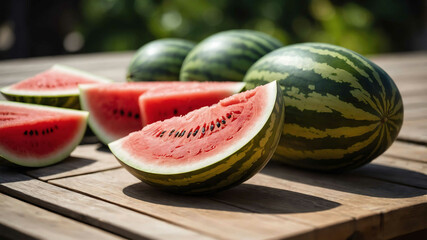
136,116
122,112
223,121
218,124
43,132
175,111
36,132
212,127
189,134
51,129
26,132
195,132
182,134
176,134
173,130
129,114
31,132
161,134
229,115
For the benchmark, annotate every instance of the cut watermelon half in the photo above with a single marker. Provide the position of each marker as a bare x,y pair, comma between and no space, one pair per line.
209,149
34,136
57,86
114,109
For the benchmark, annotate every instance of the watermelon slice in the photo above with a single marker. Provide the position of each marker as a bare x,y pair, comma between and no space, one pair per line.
209,149
35,136
115,111
56,86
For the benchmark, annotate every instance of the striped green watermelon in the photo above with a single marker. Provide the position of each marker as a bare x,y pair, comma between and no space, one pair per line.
159,60
209,149
226,56
57,86
342,110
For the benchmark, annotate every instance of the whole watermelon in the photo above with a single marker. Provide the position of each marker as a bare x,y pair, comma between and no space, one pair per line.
159,60
226,56
341,109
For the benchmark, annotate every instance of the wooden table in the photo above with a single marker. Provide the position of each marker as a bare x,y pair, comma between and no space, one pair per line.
89,196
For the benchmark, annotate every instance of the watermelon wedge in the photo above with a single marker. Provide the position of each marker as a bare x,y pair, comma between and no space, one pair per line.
115,111
56,86
35,136
209,149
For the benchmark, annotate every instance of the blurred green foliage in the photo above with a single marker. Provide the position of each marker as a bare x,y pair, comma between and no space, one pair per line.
50,27
364,26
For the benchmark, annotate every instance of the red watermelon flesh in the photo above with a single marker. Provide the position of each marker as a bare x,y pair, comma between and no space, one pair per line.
197,139
114,107
58,80
33,135
159,104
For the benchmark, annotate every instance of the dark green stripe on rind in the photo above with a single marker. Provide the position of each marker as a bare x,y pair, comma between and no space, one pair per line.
71,101
229,172
160,60
342,110
226,56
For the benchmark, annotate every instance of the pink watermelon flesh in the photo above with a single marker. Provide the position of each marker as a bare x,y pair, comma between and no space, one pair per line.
31,135
53,79
115,111
225,123
158,104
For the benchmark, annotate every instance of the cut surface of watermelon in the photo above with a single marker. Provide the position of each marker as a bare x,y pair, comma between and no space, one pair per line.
57,86
210,148
34,136
115,111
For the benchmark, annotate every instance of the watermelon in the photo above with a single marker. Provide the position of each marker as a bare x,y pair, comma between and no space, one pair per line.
226,56
159,60
159,104
56,86
115,111
35,136
209,149
342,110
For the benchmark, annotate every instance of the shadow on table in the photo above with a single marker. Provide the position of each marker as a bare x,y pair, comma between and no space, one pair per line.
356,182
243,198
67,165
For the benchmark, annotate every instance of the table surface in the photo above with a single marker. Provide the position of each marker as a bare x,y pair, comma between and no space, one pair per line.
89,196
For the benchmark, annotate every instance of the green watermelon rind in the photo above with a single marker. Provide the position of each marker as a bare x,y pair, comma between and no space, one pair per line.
226,56
66,151
162,65
311,139
62,98
226,169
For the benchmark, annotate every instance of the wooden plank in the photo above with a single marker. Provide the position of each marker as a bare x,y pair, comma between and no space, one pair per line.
393,202
407,151
331,219
419,112
107,216
414,131
84,159
198,213
21,219
396,170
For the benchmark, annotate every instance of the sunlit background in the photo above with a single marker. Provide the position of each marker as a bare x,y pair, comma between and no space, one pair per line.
50,27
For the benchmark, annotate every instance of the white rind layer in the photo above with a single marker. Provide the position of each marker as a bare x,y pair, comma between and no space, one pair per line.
8,90
54,157
128,159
